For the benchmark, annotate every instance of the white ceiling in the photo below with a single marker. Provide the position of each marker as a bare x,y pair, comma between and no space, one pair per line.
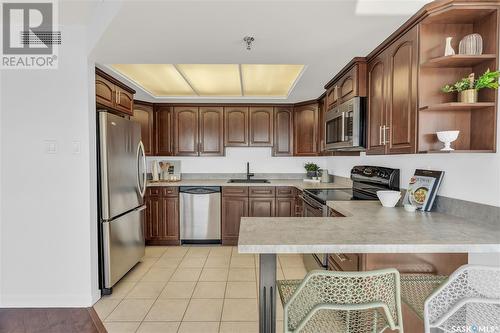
323,35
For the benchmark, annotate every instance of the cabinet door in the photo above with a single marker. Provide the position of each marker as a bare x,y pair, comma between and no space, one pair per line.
348,85
283,131
262,207
305,120
185,131
163,131
143,114
154,213
285,207
104,92
124,101
233,209
261,126
170,222
235,126
211,131
332,96
376,105
402,95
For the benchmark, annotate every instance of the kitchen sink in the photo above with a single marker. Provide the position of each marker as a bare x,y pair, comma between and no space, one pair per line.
248,181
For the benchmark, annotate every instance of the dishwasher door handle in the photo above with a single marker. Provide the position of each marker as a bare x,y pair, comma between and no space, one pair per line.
199,190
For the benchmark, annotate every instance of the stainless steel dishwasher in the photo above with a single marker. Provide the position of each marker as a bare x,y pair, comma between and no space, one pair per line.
200,214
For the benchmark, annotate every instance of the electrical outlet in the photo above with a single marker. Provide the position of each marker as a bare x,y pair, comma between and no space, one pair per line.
76,147
50,147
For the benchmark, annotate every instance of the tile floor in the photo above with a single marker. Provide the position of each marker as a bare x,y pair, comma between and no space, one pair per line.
188,289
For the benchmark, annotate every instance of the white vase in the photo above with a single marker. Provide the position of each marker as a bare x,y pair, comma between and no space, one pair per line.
448,51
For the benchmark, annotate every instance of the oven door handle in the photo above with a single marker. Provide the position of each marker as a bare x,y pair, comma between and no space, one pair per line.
310,203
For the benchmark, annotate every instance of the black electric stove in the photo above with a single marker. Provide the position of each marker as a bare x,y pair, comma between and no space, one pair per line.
366,181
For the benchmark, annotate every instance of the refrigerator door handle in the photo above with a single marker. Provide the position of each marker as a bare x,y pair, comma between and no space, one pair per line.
140,151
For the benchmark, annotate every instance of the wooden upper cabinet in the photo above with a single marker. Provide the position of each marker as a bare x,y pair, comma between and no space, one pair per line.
211,129
376,104
283,131
185,131
163,130
402,94
104,92
332,96
143,114
305,118
261,126
392,97
112,94
348,85
236,126
124,101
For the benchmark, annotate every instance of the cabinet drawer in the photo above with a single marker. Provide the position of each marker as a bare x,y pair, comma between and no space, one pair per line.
153,191
262,191
171,191
235,191
285,191
346,262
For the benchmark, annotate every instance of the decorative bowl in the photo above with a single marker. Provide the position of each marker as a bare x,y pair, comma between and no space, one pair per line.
447,137
389,198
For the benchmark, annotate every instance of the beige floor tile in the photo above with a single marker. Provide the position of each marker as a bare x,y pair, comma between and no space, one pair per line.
121,327
214,274
167,310
239,327
240,261
186,274
158,274
294,273
105,306
146,290
209,290
120,290
131,310
279,307
178,290
199,327
139,270
217,262
241,274
240,310
158,327
175,252
204,310
220,251
192,262
198,252
291,261
168,262
279,326
241,289
155,251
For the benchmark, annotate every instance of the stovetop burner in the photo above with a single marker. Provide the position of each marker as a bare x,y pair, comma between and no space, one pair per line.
336,194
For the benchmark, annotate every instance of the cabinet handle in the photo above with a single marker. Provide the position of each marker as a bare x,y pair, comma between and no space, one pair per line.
380,135
342,257
385,135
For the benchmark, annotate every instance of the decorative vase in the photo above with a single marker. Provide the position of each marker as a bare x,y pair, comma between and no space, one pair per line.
468,96
312,174
448,50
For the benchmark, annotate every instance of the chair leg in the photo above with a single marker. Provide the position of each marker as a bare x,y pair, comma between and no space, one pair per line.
267,293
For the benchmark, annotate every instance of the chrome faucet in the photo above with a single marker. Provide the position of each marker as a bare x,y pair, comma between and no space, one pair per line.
249,175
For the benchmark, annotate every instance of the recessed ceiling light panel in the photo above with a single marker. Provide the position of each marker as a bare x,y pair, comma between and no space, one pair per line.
269,80
212,79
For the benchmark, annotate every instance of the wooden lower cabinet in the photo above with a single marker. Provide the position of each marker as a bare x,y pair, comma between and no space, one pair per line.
285,207
416,263
262,207
161,223
233,209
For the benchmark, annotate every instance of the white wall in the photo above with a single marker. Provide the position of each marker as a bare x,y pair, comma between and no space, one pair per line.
47,213
235,161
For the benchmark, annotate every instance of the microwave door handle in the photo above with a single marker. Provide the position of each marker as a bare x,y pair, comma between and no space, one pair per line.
343,126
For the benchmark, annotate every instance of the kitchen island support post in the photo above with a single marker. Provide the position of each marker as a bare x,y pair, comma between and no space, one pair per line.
267,293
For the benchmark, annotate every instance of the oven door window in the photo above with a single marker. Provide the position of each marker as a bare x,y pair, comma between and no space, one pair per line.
334,130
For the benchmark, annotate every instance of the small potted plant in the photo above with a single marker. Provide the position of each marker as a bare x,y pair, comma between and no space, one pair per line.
312,169
468,87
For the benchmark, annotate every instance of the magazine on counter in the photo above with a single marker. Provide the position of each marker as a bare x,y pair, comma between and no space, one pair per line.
423,189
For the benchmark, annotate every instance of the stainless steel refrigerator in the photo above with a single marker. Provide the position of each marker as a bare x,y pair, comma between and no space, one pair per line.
122,184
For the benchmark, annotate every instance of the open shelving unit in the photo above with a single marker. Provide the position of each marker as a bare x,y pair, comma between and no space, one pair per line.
438,111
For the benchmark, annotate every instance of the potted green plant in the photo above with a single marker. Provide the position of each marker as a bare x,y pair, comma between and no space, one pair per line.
468,87
312,169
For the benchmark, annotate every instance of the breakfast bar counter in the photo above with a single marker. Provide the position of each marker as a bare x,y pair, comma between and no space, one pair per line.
366,227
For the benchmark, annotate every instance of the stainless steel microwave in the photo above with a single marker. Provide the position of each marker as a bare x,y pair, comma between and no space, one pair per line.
345,126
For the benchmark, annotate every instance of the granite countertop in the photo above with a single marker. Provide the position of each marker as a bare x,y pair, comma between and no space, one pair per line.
298,183
368,228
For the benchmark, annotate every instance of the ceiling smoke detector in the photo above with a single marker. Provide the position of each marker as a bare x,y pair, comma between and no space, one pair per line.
248,40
